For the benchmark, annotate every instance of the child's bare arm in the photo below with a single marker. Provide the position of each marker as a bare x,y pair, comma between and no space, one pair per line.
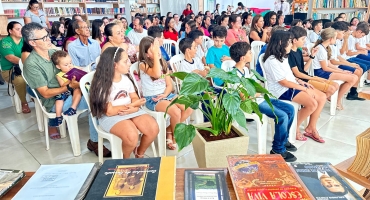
61,81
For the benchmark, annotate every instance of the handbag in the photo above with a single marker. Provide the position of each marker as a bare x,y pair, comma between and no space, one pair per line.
13,72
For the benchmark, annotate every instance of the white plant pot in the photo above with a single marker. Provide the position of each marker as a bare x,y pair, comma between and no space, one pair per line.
213,154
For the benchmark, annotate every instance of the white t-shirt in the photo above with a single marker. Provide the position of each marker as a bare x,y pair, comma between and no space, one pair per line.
314,37
178,26
321,55
189,67
361,41
136,37
276,71
247,75
120,92
351,45
200,52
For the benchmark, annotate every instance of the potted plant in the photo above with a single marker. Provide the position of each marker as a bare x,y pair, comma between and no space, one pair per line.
213,141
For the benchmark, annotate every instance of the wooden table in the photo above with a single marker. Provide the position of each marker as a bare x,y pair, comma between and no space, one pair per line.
342,169
180,177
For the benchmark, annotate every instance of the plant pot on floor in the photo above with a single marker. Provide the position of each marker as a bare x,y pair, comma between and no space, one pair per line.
213,154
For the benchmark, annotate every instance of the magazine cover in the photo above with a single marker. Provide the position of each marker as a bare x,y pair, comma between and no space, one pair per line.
323,181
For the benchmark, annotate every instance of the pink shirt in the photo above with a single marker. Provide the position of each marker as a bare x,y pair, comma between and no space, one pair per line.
205,31
235,36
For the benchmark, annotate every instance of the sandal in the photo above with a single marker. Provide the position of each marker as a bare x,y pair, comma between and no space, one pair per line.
310,135
301,137
25,108
171,145
137,155
339,107
56,121
54,136
70,112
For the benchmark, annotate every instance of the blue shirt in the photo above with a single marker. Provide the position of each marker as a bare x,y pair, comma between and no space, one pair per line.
258,65
214,56
81,54
164,54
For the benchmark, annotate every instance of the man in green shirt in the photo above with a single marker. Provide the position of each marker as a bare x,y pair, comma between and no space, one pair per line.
40,73
10,50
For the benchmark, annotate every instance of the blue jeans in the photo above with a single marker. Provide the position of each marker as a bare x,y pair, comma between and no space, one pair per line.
364,64
285,115
81,106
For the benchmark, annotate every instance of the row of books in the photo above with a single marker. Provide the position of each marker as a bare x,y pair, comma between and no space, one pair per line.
64,1
359,14
105,10
72,1
253,177
340,4
63,11
14,12
147,1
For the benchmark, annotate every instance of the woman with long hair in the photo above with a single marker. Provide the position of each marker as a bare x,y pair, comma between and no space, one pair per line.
57,34
246,22
224,21
217,10
258,33
71,34
354,21
235,33
190,26
188,10
284,85
162,21
114,101
157,86
148,22
182,30
97,32
115,37
205,25
269,19
125,25
169,31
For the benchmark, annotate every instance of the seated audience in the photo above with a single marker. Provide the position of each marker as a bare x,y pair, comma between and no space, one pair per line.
280,20
97,32
269,19
148,22
282,113
10,50
297,22
116,104
205,24
224,21
169,31
105,20
354,22
57,34
83,50
125,25
156,32
115,37
246,22
258,33
40,74
178,23
315,34
71,34
138,31
284,86
191,62
157,87
197,37
235,33
328,24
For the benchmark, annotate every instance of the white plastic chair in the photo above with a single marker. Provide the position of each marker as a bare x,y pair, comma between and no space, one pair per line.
167,44
159,116
256,47
261,126
204,44
362,80
16,102
71,123
309,48
39,117
116,142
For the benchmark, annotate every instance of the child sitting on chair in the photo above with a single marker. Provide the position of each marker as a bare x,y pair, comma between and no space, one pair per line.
63,62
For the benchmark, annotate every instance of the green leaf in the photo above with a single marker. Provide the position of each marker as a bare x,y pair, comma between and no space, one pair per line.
248,85
246,106
240,118
214,132
244,91
259,77
231,102
259,88
179,75
193,84
217,73
184,135
257,110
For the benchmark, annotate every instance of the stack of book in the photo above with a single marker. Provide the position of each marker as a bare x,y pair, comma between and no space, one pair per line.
64,11
153,10
8,178
15,12
340,3
64,1
105,11
361,164
359,14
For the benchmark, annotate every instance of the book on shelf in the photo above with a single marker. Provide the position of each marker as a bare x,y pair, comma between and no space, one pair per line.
206,184
105,11
8,179
359,14
323,181
265,177
135,179
12,13
64,1
340,4
361,163
59,182
63,11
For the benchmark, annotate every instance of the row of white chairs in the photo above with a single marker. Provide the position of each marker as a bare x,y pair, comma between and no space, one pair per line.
167,44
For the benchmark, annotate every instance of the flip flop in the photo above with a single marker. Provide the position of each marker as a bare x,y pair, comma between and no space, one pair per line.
302,138
170,144
310,135
53,136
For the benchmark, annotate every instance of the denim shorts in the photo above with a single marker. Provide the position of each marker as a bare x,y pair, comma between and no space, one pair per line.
150,104
289,94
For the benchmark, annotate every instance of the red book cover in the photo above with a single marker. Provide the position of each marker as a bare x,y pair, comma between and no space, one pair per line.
264,177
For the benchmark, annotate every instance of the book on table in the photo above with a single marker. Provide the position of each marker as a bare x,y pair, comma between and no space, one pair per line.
206,184
135,179
361,163
59,182
265,177
8,178
323,181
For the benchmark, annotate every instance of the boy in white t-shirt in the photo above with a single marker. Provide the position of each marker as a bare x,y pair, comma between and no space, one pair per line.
317,27
241,53
197,36
191,62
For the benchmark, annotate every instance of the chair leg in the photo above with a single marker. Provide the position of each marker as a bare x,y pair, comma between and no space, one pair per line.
262,134
161,138
17,103
73,133
39,116
333,103
293,128
154,150
116,147
46,132
100,149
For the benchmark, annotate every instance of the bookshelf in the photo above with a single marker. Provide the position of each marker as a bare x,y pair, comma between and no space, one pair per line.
147,7
329,9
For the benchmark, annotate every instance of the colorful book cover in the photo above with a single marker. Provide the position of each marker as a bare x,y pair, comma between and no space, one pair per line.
324,182
266,177
206,184
135,179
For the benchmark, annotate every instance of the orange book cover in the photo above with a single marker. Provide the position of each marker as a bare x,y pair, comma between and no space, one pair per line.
264,177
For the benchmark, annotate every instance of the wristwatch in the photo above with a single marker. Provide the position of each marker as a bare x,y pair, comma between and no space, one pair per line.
312,57
69,88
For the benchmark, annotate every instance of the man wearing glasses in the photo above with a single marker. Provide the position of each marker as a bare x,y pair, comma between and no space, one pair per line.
40,73
83,51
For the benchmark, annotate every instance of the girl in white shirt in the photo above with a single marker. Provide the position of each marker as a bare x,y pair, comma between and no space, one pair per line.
114,101
324,69
157,86
282,84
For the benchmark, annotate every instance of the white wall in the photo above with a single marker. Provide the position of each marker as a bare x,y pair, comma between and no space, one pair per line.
177,6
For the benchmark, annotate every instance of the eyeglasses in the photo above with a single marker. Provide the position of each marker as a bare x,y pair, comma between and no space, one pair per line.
35,7
84,27
43,38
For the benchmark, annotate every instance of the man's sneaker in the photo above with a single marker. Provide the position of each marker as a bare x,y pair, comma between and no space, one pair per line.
288,157
290,147
354,97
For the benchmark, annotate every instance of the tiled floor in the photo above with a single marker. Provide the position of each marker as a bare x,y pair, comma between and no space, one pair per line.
22,146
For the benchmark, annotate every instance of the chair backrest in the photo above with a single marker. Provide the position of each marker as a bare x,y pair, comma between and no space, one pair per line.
97,60
263,69
135,67
175,63
20,64
310,70
167,44
256,47
227,65
204,44
87,79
